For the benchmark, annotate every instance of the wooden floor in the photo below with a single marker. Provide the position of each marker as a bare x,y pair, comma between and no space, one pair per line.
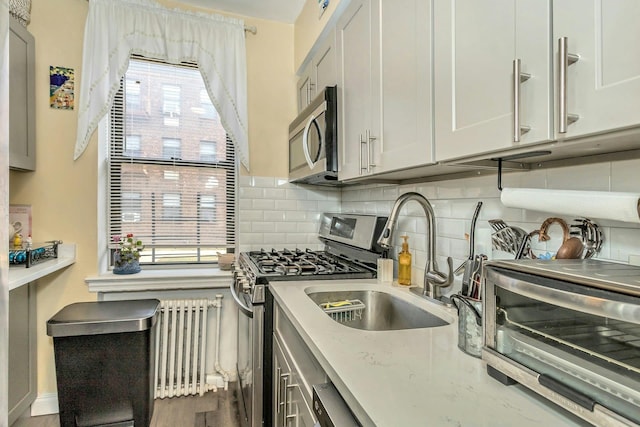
214,409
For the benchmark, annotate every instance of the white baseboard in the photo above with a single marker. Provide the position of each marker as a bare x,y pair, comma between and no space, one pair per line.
45,404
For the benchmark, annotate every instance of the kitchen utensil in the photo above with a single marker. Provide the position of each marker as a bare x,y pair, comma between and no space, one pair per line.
571,249
543,236
523,246
467,265
506,238
590,234
475,290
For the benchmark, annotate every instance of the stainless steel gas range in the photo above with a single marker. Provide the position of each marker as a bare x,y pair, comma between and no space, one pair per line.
351,252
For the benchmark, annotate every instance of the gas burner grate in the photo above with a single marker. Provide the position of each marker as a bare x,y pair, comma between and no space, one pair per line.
301,263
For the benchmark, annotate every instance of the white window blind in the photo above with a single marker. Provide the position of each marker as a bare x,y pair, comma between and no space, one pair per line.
171,183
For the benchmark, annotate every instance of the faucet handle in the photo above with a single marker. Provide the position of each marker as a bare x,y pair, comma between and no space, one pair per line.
449,279
438,278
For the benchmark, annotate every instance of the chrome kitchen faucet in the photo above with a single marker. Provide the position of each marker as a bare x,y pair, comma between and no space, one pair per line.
434,280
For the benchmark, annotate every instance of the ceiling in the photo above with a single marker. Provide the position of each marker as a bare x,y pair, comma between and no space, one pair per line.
273,10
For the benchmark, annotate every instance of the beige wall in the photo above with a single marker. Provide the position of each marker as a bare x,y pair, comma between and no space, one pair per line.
62,192
308,27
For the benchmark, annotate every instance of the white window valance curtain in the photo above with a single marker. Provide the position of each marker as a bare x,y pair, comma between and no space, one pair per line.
116,29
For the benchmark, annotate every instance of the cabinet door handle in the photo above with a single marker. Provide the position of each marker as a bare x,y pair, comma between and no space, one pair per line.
518,77
565,58
278,375
287,415
362,141
369,139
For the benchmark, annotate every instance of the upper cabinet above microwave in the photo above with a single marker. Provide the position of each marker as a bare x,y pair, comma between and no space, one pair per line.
319,72
384,87
511,74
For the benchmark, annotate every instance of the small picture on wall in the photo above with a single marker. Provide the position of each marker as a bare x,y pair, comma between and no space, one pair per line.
322,4
61,86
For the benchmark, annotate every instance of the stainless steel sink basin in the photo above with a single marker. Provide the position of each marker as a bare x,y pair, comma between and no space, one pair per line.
381,311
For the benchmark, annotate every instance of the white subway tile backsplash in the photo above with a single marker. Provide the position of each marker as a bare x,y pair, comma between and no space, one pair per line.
274,240
276,213
295,194
286,205
248,215
274,216
261,227
584,177
624,176
307,205
251,193
264,181
275,193
306,227
263,204
296,216
451,228
285,227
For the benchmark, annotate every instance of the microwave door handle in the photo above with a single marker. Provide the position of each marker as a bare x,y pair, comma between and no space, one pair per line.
305,142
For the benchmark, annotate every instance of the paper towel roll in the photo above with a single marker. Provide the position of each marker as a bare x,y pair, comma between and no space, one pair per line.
591,204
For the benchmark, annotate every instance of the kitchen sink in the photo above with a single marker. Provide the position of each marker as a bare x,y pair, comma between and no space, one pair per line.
374,310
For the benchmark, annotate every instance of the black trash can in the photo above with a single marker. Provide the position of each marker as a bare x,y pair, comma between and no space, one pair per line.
105,362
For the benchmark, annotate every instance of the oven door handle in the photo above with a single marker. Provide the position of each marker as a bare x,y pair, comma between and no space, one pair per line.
241,305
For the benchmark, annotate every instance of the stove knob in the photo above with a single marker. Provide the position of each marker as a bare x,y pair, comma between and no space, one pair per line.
246,287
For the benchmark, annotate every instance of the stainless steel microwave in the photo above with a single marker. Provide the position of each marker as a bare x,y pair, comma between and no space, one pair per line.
313,142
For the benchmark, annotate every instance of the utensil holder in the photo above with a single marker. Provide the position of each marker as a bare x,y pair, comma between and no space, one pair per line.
469,324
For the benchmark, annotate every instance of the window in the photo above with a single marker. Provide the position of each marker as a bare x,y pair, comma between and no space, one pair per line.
133,94
171,206
207,211
132,146
208,151
173,187
131,207
206,107
171,149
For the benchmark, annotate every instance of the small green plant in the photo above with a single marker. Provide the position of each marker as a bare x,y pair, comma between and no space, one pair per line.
128,250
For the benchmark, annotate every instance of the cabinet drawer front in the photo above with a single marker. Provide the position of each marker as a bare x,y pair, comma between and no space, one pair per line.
306,369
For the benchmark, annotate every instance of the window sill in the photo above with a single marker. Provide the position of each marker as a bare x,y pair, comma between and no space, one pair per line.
161,280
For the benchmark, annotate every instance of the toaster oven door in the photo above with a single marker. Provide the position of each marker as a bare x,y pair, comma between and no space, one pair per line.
580,342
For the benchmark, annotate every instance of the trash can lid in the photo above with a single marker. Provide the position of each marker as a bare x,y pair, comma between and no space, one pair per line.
103,317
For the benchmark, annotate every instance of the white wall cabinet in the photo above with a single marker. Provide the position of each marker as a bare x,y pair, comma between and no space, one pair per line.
384,86
476,46
22,141
603,86
319,73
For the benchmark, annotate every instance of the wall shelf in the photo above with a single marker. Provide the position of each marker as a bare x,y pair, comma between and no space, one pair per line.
19,275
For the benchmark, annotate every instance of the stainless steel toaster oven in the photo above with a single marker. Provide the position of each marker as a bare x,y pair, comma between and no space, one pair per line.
568,330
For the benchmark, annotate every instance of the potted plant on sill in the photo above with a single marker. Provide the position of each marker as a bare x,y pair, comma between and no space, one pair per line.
126,259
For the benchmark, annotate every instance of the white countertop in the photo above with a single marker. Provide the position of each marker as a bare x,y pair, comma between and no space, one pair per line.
410,377
20,275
